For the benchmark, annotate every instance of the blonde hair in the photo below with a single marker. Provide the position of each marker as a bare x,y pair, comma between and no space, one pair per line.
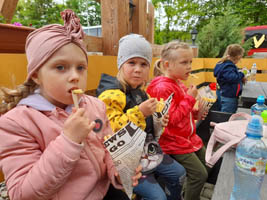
9,98
232,52
123,82
120,77
168,54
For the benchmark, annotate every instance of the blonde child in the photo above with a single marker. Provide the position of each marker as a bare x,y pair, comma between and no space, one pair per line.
48,149
229,79
127,101
179,138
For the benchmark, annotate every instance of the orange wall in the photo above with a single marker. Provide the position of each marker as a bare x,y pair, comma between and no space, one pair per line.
13,69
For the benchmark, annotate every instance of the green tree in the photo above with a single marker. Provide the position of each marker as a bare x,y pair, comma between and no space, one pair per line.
174,19
182,15
218,34
37,13
88,11
250,12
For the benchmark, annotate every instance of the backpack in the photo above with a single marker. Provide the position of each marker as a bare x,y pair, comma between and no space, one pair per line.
229,134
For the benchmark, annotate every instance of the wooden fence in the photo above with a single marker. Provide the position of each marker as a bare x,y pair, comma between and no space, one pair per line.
13,69
117,20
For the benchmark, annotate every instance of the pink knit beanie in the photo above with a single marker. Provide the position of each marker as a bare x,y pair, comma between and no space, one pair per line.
43,42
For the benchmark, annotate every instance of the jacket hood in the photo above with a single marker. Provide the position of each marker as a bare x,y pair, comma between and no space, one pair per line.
107,82
38,102
220,66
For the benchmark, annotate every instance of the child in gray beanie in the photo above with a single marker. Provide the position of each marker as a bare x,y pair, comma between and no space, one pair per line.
127,101
131,46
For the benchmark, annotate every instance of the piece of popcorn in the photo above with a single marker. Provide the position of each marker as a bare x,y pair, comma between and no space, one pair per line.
160,105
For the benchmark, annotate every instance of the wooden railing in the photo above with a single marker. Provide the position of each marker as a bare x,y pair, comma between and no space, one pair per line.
115,19
13,69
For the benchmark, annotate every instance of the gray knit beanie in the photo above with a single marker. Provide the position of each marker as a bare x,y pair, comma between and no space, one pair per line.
131,46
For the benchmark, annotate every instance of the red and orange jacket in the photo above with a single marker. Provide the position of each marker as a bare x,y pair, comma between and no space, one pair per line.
180,135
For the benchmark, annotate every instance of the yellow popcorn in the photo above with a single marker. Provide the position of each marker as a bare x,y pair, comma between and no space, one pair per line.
160,105
210,100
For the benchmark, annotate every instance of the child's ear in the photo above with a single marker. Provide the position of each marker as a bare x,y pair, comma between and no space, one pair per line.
35,78
166,64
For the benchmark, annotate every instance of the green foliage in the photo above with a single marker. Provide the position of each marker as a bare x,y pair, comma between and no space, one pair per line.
37,13
218,34
88,11
180,16
252,12
173,20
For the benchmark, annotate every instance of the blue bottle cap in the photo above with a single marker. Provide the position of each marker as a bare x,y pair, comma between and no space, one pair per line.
260,99
254,128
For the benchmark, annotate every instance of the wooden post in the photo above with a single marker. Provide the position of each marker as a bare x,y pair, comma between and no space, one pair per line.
150,24
7,9
115,22
195,51
139,19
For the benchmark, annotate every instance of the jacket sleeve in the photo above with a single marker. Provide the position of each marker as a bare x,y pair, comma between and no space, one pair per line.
29,172
181,106
230,74
115,101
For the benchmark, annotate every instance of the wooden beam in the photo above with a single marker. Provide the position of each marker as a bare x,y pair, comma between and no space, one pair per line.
13,38
139,19
7,9
150,23
156,50
93,44
115,24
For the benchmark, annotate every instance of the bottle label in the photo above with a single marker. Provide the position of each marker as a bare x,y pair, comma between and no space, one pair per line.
253,71
256,110
255,166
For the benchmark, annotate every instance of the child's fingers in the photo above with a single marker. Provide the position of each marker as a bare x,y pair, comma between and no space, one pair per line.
166,116
138,169
137,176
91,126
74,109
107,137
78,112
117,177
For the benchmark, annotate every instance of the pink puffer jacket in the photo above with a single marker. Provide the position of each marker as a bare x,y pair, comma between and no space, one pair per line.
39,162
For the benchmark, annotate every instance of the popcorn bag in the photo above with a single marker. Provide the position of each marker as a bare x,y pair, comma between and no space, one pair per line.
152,154
162,109
126,148
206,98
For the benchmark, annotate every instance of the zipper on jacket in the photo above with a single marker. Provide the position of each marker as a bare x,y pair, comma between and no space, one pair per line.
191,124
238,89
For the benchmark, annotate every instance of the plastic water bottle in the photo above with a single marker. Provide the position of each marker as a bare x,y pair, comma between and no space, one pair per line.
253,73
250,162
264,138
259,106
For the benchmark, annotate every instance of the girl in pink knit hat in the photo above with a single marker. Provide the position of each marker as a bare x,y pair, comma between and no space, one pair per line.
49,149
